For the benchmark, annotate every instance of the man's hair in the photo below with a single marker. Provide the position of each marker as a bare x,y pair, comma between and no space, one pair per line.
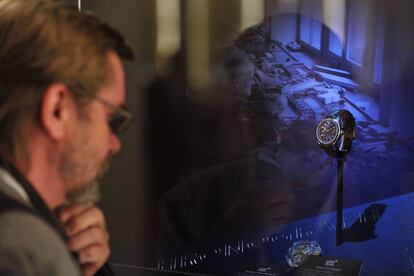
44,42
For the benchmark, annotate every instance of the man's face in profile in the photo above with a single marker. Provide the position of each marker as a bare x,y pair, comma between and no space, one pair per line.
87,152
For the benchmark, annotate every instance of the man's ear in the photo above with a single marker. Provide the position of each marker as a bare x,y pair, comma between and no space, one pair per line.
55,109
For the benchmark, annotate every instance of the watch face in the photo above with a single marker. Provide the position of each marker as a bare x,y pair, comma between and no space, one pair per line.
327,131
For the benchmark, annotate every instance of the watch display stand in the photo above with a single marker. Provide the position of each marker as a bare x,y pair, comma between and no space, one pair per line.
335,134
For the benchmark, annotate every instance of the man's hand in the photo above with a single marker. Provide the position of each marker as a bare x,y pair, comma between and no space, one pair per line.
85,226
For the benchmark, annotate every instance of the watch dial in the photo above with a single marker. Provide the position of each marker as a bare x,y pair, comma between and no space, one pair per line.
327,131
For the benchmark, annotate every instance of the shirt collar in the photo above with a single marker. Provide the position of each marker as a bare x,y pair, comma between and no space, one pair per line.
38,204
11,182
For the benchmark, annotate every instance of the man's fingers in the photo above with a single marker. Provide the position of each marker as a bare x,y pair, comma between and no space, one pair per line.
69,212
90,217
85,226
94,254
92,235
89,269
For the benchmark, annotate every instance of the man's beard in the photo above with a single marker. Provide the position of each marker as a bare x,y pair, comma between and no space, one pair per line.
88,191
81,172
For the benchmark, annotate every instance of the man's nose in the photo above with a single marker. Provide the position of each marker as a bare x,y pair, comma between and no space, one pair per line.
114,144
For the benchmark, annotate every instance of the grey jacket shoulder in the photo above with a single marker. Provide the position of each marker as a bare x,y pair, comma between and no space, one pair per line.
29,246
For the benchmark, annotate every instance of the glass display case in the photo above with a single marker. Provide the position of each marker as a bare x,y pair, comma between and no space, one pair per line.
234,173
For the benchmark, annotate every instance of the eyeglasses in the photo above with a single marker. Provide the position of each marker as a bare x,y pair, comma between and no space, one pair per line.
120,120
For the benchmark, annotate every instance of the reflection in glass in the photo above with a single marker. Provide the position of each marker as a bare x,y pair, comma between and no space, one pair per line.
311,26
357,31
335,45
252,12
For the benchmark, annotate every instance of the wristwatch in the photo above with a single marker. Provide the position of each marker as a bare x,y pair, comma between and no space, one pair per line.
335,133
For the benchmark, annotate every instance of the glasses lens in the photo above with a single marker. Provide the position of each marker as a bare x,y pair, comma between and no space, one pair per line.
119,123
121,118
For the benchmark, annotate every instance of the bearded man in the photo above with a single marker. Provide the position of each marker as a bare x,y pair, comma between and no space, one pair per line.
61,96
